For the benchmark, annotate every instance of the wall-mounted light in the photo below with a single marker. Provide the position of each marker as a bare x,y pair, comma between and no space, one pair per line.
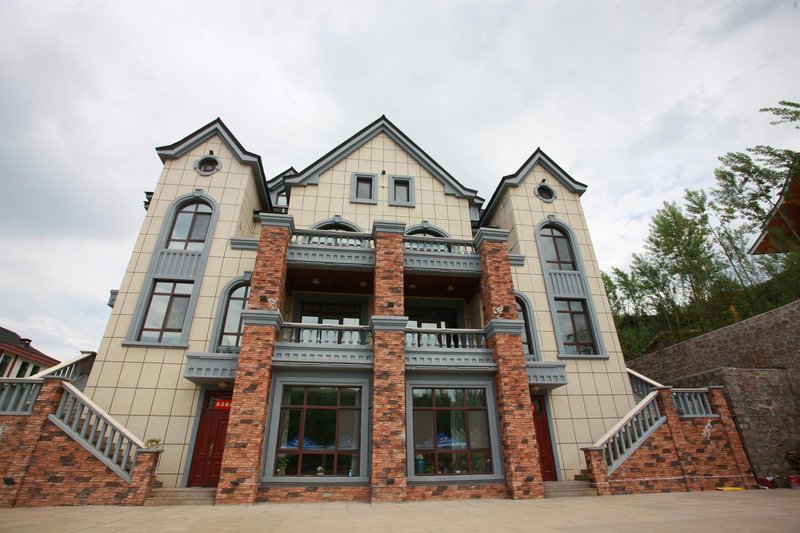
315,282
412,286
362,284
223,385
450,288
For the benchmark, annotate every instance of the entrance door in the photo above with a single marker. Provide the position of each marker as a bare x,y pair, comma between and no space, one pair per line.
210,441
546,458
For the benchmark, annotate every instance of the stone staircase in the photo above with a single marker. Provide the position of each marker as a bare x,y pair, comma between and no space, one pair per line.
191,496
568,489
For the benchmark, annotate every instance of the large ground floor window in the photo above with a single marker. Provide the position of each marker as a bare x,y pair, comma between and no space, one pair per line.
318,430
453,430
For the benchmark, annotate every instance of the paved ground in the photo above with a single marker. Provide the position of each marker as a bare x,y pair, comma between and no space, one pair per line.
776,510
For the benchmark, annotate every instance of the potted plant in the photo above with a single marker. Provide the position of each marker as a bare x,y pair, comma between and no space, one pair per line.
283,462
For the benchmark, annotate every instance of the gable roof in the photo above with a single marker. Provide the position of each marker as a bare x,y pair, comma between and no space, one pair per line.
538,157
11,342
310,174
782,220
217,127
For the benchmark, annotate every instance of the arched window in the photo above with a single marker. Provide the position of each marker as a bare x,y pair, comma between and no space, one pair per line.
230,335
568,291
425,230
527,335
190,228
555,248
165,308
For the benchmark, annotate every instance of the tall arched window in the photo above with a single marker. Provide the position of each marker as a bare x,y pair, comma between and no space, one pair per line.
567,290
165,308
527,336
230,335
190,228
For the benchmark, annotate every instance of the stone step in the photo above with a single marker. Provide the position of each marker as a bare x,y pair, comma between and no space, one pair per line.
568,489
175,496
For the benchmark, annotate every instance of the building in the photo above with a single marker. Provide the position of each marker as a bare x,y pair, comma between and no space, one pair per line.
370,303
18,359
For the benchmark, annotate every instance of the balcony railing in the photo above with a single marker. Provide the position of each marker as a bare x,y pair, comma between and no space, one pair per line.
18,395
640,384
692,402
330,334
438,244
341,239
445,339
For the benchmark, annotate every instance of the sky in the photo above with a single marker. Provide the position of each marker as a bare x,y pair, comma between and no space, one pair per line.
636,99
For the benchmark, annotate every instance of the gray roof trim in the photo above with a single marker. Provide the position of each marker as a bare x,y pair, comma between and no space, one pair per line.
310,175
513,180
216,126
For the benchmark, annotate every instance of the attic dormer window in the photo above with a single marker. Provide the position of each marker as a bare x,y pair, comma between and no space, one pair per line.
207,165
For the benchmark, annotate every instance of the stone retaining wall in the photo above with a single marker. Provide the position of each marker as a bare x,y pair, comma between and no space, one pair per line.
758,362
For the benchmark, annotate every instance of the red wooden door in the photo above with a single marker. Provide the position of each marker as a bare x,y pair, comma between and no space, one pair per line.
210,441
546,458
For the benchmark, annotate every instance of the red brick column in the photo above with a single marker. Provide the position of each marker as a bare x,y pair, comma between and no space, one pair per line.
720,406
388,474
518,437
241,462
19,436
682,447
598,469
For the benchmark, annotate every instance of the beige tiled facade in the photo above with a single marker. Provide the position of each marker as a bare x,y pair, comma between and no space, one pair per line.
143,386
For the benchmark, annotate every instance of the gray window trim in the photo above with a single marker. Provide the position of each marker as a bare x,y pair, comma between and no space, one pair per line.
219,319
332,378
598,341
337,219
448,380
149,282
426,226
196,165
531,323
354,188
542,198
411,195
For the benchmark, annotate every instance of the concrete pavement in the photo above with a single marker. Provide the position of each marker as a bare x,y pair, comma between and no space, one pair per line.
775,510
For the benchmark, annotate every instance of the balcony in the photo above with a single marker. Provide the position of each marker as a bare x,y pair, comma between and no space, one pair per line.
436,348
324,345
326,248
436,255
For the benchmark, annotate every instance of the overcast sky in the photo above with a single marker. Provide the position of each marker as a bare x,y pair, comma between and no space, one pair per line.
636,99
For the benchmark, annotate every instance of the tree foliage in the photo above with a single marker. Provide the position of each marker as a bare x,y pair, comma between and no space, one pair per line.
695,273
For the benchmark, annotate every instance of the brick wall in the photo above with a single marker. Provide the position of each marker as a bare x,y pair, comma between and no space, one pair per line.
240,474
456,491
679,456
517,433
758,362
316,493
388,474
47,467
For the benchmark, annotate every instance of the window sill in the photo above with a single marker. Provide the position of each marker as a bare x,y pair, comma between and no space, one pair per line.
601,356
363,201
144,344
311,480
402,204
474,479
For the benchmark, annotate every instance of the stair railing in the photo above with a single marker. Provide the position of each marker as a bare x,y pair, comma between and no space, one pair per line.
641,385
17,395
631,431
72,370
97,432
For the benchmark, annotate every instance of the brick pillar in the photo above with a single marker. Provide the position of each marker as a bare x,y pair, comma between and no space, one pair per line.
19,436
682,447
388,474
241,462
719,405
518,436
598,469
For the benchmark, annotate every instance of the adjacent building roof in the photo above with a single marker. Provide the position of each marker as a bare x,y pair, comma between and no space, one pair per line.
782,221
14,344
217,127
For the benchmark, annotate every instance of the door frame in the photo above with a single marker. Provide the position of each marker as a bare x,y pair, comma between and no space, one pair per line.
545,394
198,411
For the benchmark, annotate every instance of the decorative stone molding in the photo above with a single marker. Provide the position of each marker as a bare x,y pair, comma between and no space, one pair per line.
241,243
277,220
256,317
490,235
503,326
388,323
386,226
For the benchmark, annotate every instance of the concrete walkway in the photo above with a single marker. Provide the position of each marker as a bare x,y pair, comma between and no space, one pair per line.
776,510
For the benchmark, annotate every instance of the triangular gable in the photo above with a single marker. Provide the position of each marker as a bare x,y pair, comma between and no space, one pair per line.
217,127
513,180
788,205
311,174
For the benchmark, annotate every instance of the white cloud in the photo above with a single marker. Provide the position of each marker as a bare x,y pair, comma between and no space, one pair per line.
635,99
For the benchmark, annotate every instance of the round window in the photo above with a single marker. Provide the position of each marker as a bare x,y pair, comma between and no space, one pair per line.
545,192
207,165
